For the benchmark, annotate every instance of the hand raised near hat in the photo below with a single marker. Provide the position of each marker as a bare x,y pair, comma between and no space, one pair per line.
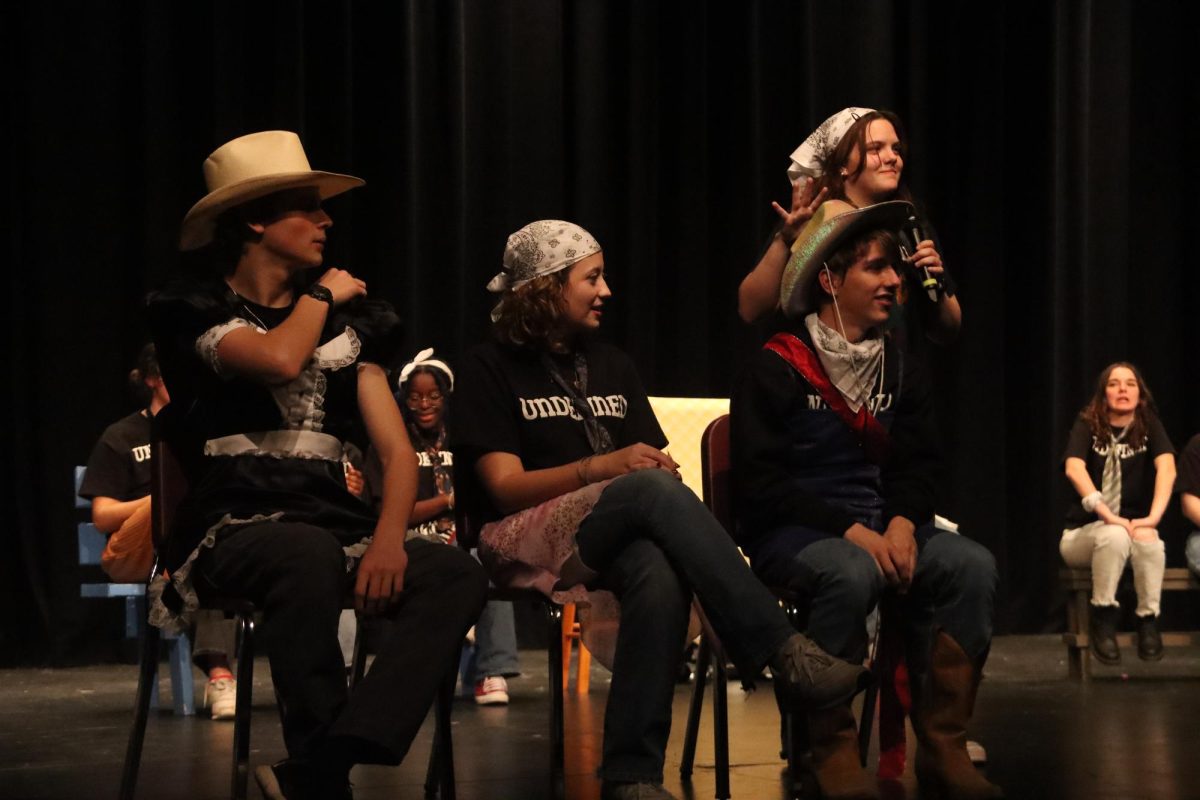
630,459
804,204
342,285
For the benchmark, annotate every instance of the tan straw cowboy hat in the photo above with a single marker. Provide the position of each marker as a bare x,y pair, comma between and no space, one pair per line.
249,167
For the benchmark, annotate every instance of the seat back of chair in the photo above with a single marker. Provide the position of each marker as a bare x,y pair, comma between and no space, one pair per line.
717,472
168,478
469,505
91,540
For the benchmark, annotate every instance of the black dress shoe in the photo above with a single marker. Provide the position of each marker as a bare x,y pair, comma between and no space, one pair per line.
294,779
1149,640
1102,634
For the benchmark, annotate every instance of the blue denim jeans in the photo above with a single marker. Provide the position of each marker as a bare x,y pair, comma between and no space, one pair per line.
495,644
1192,551
654,544
953,589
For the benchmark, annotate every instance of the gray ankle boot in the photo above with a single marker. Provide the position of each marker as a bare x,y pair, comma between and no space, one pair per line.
813,679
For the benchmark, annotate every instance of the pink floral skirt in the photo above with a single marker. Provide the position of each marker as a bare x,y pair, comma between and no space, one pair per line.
535,549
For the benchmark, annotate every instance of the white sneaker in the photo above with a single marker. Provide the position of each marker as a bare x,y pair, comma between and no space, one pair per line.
220,695
492,691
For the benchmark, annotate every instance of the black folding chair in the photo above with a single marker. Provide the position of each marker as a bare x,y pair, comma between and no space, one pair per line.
716,475
170,449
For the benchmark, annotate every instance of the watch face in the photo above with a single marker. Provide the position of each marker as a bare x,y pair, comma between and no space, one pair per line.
321,293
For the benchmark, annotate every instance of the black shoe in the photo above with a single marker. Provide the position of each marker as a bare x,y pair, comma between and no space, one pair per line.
1149,640
292,779
1102,634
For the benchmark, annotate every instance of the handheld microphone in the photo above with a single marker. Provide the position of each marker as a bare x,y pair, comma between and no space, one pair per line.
930,284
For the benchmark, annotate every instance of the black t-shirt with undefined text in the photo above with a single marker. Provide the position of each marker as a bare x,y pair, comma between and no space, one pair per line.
119,466
1137,468
506,401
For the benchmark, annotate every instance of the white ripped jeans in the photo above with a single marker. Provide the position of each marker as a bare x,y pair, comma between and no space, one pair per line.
1105,549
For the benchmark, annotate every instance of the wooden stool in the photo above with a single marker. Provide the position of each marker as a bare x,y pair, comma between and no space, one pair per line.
1078,585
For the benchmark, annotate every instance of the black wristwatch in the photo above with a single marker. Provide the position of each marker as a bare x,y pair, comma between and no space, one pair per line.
322,293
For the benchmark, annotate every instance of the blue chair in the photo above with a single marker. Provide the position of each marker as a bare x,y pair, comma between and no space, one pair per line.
91,545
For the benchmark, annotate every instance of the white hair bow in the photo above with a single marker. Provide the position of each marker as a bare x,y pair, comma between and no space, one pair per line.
423,360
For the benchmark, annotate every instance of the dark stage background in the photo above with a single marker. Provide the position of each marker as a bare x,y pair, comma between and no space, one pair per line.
1052,145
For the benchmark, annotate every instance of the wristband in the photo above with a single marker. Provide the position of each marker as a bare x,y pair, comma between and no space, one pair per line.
319,292
1090,502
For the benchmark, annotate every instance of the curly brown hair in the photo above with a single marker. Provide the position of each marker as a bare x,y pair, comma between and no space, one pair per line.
855,139
531,314
1095,413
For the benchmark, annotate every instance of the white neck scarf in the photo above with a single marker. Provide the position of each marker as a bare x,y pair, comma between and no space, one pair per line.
853,368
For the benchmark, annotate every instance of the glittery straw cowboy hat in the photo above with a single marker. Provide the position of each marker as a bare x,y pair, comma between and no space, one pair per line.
249,167
835,223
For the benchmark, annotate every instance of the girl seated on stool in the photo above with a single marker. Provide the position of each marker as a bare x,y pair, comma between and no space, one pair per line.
1121,464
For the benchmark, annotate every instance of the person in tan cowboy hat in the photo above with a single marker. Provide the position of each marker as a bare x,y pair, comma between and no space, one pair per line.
835,466
276,375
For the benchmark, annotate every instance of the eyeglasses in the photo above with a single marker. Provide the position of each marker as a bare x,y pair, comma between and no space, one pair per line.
415,400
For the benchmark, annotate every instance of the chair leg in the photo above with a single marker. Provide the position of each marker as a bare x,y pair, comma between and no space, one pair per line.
554,616
183,692
241,718
583,667
721,727
439,776
358,662
868,719
568,625
695,709
147,676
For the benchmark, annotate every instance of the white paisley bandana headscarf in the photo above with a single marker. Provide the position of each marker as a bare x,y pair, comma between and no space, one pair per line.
853,368
809,159
541,248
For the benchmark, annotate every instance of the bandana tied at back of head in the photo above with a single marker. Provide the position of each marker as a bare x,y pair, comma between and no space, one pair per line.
540,248
810,158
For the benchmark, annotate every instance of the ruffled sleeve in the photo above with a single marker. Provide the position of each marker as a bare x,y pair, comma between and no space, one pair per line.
378,328
184,316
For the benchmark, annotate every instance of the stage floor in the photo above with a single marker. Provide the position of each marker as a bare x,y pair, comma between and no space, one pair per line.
63,732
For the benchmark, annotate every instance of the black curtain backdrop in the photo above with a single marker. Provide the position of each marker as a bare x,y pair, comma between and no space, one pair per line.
1050,142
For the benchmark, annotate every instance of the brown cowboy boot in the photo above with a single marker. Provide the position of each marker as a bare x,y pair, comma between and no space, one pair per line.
835,756
944,706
